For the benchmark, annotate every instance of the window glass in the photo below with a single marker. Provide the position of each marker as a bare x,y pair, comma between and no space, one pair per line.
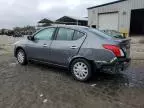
78,35
99,33
65,34
45,34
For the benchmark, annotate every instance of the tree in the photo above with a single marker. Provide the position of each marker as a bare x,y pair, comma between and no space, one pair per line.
27,30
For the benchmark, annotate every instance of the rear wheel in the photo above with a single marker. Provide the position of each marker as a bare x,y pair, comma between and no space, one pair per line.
21,57
81,69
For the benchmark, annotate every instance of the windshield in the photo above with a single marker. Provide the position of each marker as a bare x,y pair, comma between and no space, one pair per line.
111,32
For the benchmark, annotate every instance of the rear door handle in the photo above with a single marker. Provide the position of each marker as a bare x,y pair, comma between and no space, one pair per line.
44,45
73,47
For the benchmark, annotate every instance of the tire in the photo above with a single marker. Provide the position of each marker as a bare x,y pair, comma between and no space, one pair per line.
81,70
21,57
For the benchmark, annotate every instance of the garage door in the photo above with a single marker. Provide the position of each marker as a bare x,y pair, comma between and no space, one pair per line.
108,21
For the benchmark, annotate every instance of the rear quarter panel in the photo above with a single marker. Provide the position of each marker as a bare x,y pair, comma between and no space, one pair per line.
92,48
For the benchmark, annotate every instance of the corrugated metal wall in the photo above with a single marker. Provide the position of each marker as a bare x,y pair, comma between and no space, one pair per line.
123,8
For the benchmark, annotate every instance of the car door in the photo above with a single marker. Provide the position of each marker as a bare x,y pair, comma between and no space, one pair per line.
38,48
66,45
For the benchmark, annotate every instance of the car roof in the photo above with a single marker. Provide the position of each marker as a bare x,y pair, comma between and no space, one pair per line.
75,27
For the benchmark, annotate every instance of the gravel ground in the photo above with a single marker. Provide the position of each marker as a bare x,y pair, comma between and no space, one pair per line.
137,47
42,86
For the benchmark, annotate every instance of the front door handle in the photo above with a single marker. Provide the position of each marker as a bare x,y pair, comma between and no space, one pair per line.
73,47
44,45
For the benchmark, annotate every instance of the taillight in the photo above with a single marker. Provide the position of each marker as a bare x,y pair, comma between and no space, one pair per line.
115,49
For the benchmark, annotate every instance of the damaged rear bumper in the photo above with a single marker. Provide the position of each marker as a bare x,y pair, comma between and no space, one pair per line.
115,65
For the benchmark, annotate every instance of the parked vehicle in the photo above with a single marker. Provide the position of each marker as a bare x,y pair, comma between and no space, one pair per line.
114,33
80,49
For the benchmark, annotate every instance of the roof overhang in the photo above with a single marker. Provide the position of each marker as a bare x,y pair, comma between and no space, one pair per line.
72,18
106,4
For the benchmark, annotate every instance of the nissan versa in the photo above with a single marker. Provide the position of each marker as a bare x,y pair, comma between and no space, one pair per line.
82,50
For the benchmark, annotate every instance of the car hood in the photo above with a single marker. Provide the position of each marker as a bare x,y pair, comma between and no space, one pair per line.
23,41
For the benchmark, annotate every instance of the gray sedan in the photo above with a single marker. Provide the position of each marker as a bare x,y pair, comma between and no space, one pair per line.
82,50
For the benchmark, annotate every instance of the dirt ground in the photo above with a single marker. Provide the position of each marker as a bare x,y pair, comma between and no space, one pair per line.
137,47
43,86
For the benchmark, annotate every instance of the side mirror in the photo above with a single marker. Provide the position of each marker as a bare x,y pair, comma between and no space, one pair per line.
30,37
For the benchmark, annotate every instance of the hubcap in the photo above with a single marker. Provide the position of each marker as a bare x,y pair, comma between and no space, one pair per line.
80,70
20,57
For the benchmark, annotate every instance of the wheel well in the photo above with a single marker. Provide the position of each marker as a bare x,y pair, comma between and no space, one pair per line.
18,48
90,61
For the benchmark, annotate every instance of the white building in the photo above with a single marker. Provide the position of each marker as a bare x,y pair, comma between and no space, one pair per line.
126,16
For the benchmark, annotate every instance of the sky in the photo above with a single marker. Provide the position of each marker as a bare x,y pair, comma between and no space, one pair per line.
28,12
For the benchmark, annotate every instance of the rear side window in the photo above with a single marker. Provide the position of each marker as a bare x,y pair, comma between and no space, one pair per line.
78,35
65,34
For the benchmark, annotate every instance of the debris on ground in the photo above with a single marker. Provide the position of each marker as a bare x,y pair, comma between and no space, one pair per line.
93,85
41,95
45,101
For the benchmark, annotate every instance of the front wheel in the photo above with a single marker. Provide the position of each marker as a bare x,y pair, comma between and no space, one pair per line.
21,57
81,69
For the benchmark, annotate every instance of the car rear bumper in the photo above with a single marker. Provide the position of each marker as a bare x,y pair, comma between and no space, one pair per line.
115,65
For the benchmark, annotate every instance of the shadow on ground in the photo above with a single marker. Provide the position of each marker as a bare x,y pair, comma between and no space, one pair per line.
99,78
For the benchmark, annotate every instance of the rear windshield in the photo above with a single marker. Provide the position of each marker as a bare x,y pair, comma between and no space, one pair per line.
100,33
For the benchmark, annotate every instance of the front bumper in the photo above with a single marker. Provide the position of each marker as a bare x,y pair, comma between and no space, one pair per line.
115,65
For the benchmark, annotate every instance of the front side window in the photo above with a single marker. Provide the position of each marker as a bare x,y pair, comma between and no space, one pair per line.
45,34
65,34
